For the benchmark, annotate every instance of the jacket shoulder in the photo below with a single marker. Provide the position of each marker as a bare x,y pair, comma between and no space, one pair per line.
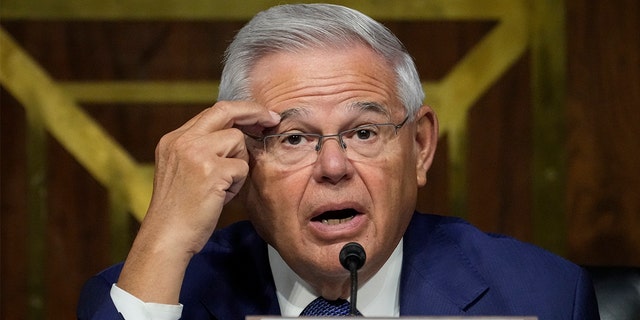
512,277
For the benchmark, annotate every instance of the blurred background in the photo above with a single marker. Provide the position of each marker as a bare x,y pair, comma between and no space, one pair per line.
538,101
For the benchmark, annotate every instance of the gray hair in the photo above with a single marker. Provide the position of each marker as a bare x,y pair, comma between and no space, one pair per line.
296,27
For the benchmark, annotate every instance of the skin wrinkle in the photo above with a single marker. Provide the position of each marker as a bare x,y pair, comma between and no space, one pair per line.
329,86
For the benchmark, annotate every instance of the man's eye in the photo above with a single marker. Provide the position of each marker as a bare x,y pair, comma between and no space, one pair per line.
296,140
293,139
365,133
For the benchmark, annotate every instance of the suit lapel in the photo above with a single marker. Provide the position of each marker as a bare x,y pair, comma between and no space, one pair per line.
437,277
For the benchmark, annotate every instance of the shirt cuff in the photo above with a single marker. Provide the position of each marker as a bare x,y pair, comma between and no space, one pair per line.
133,308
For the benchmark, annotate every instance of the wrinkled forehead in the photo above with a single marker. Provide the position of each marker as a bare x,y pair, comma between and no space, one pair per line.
303,48
356,78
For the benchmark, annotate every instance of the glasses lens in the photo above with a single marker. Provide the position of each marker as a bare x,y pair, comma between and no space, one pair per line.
300,149
366,141
292,148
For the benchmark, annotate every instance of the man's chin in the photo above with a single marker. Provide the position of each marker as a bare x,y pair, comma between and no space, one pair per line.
328,268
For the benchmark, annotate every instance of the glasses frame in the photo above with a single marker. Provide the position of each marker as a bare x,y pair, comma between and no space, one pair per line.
321,137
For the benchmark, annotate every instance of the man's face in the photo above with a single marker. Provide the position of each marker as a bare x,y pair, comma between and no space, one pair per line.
309,211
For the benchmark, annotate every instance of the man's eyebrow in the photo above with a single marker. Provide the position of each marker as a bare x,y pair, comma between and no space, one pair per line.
368,106
293,113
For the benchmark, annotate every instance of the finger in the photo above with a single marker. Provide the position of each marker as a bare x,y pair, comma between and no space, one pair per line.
227,114
229,143
236,172
212,165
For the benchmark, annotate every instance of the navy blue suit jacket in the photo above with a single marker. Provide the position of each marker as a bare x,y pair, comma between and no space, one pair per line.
449,268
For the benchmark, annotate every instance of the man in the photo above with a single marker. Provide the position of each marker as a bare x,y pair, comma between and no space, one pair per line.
320,122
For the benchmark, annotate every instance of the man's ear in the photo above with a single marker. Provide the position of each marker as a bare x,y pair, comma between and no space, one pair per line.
425,142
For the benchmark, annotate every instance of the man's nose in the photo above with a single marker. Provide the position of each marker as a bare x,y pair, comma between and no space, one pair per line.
332,164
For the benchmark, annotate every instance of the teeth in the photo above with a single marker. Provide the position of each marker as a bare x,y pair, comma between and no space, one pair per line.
333,222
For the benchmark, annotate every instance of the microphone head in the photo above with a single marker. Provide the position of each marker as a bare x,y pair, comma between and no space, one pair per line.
352,255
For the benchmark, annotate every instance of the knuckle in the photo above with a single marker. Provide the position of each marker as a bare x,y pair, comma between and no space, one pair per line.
163,144
177,147
222,108
243,167
236,134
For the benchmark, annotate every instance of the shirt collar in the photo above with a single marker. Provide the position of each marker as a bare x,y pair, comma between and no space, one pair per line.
378,297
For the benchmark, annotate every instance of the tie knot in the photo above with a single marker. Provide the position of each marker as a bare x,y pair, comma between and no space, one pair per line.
323,307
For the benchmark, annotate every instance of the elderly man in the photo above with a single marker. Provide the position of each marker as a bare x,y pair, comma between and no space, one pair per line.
321,129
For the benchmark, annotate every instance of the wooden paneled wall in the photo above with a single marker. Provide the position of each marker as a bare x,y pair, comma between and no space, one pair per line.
60,224
603,132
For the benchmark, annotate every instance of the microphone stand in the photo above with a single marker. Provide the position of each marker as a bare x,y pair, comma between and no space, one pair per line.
352,257
354,288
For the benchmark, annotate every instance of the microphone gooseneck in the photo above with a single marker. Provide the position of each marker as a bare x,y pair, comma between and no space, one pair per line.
352,258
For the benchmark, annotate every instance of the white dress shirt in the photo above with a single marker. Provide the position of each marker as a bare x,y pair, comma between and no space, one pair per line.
133,308
378,297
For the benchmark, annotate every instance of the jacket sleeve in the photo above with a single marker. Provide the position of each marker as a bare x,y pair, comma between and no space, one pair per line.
585,305
95,300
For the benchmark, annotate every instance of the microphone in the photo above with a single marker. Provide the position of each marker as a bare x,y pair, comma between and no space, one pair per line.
352,258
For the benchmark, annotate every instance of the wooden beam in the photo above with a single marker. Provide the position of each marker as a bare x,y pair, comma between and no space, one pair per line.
239,10
549,153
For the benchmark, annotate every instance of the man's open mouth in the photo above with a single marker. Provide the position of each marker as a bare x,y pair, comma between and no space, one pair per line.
336,217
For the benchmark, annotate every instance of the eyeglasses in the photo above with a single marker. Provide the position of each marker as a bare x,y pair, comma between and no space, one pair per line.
301,149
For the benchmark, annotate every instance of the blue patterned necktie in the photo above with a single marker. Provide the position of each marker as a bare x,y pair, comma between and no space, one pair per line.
324,307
